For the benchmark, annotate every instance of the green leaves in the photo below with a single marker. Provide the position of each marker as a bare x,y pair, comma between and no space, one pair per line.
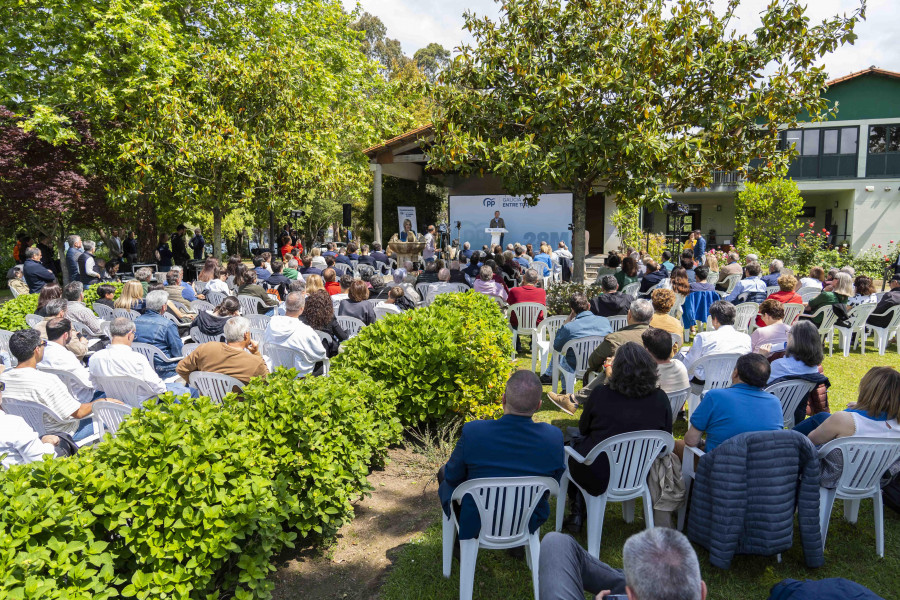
12,312
766,213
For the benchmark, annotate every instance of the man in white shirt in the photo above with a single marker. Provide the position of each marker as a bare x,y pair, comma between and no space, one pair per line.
77,311
20,443
672,374
289,332
725,339
443,285
428,251
563,251
119,360
59,358
115,245
25,382
751,289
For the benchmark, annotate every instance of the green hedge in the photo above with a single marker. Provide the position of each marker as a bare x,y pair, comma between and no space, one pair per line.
12,312
449,358
194,500
558,295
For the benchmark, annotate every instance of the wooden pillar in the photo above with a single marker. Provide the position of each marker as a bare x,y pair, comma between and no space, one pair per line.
376,184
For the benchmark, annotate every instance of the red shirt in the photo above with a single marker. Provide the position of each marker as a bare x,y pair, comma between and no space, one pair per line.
333,287
286,249
527,293
784,298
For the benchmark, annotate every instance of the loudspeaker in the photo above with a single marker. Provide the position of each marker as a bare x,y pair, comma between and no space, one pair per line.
347,215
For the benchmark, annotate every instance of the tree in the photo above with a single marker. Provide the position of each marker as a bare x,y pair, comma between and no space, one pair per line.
43,185
766,213
432,59
378,47
632,96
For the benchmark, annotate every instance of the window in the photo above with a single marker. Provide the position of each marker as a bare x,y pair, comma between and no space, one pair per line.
792,137
894,143
810,142
877,139
808,212
848,140
883,157
830,141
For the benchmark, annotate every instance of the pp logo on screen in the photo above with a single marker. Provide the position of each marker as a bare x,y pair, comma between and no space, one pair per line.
488,202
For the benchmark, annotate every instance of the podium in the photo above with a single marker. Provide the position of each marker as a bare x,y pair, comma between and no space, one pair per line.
495,232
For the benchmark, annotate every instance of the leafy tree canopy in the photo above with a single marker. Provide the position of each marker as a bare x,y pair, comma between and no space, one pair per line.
629,96
432,59
766,213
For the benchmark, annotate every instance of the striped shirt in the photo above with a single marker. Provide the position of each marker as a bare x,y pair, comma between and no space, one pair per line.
27,383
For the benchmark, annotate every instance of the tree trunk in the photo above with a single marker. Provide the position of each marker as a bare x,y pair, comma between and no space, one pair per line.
147,230
579,197
60,239
217,233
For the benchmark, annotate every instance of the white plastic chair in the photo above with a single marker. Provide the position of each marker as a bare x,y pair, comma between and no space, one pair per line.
215,298
250,304
826,327
712,278
126,313
284,357
258,321
883,334
864,462
33,320
858,315
677,399
731,282
15,294
336,302
791,312
110,415
82,329
505,506
542,340
68,379
745,316
717,370
527,314
422,290
150,351
214,385
340,268
791,393
43,420
582,347
617,322
201,305
631,289
809,290
132,392
103,311
382,310
351,325
809,295
380,266
201,338
186,349
630,457
4,345
772,289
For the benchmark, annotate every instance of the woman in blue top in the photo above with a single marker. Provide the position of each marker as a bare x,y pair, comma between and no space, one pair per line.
803,353
163,253
407,235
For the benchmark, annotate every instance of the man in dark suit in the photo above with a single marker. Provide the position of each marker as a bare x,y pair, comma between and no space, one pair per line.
377,255
72,255
888,301
36,275
611,302
198,244
512,446
180,254
498,223
365,258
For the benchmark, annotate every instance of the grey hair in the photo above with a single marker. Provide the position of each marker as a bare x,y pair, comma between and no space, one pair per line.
120,327
73,238
143,274
660,563
531,276
399,274
641,310
176,269
776,266
56,307
377,280
293,264
609,283
73,291
89,246
444,274
466,245
156,300
486,273
298,286
235,329
294,302
32,252
848,270
408,266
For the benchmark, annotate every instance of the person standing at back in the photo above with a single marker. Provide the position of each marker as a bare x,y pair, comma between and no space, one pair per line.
699,247
72,255
198,244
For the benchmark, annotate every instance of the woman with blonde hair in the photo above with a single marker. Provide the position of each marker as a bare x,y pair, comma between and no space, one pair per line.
712,263
314,282
132,296
843,291
663,300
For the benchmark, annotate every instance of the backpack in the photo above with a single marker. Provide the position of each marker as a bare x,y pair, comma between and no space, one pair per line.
835,588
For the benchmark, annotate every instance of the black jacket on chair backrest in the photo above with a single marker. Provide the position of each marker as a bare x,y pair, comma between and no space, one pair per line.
745,494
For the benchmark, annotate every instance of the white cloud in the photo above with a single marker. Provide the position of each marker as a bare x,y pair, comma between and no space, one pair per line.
417,23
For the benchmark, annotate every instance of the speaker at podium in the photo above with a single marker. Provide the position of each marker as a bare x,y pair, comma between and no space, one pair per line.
495,233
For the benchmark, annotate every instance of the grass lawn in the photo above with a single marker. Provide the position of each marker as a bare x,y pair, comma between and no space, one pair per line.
849,551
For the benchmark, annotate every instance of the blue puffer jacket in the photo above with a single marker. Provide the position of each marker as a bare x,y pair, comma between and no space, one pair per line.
745,494
696,307
835,588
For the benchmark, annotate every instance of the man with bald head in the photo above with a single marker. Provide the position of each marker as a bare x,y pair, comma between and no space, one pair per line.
511,446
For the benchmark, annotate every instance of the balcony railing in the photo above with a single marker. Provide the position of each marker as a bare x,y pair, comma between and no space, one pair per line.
720,179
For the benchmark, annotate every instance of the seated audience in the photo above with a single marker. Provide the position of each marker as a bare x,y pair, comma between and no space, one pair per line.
212,322
290,332
430,274
316,261
774,332
699,284
187,290
711,262
663,301
581,323
628,274
672,374
291,269
105,295
332,284
308,268
803,354
679,282
49,292
785,295
843,290
775,271
741,408
144,275
686,262
15,280
379,290
319,314
629,400
667,263
486,285
750,289
724,339
77,311
58,357
131,297
733,267
78,344
865,291
278,280
511,446
314,283
36,275
154,329
610,302
26,382
20,444
184,318
237,357
653,275
397,300
527,292
378,255
891,298
118,359
357,304
259,265
875,413
816,278
247,286
218,284
409,290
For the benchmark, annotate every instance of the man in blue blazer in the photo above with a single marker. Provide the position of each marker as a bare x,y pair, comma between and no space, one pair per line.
511,446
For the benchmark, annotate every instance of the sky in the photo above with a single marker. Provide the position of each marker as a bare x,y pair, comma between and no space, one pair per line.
417,23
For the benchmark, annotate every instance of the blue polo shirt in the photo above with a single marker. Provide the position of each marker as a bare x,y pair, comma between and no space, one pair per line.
741,408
